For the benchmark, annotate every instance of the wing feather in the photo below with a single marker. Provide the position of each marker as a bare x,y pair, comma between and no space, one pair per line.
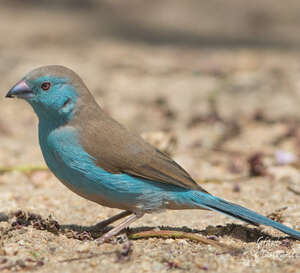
117,150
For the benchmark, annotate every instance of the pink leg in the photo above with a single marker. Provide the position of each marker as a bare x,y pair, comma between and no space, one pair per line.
112,219
118,228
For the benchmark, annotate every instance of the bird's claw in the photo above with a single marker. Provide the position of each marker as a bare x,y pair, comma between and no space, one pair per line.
101,240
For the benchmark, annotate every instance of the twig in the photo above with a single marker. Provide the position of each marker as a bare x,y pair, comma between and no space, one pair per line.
293,190
179,235
23,169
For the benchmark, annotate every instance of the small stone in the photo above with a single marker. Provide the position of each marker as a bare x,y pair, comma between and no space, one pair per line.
3,260
40,263
10,251
284,158
93,263
20,263
83,247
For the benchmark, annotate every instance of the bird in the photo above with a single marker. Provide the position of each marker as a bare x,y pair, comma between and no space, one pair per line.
100,160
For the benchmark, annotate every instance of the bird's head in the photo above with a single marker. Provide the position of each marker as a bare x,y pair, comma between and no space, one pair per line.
52,91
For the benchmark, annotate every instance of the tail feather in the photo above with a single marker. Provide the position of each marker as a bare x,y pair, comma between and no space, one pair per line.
211,202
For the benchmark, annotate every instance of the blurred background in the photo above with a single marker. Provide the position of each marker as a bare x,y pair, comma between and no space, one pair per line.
165,65
213,83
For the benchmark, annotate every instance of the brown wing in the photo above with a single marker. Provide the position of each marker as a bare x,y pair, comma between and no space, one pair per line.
161,168
119,151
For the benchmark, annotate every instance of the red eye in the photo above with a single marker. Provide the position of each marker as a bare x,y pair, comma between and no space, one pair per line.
46,86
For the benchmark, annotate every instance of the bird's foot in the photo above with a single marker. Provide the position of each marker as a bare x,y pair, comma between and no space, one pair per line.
105,223
107,236
101,240
118,239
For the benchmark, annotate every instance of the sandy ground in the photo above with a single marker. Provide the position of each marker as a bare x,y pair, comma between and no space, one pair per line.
230,117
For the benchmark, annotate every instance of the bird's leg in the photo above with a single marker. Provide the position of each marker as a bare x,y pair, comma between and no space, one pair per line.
112,219
118,228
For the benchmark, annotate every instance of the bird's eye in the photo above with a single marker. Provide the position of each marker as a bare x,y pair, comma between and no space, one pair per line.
46,86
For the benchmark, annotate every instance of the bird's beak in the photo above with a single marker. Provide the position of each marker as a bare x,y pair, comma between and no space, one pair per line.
20,90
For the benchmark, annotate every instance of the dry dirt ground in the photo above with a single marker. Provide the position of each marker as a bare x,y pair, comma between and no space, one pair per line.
230,117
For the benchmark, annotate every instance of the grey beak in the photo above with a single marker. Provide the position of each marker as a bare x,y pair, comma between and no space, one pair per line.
20,90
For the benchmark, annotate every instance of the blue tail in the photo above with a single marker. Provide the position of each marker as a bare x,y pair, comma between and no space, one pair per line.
217,204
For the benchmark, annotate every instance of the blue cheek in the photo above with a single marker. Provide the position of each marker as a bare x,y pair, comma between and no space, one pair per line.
59,98
50,100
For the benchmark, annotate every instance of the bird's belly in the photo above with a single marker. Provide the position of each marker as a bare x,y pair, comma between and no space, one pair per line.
77,170
92,189
94,195
115,190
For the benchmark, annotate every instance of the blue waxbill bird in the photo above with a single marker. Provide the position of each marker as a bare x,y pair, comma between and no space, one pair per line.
97,158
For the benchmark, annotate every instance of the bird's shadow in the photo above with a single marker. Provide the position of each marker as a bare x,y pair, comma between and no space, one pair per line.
237,231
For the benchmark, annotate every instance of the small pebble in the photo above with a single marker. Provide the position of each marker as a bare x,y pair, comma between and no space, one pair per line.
83,247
